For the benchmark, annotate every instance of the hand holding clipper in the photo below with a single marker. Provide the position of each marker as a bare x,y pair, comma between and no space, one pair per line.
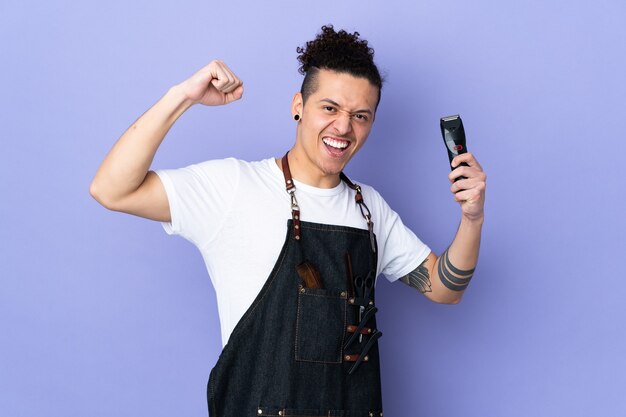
454,137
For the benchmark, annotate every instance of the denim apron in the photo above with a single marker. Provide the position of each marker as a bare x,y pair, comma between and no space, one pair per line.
304,349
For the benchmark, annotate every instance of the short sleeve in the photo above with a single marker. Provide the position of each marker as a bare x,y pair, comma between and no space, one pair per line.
199,196
400,250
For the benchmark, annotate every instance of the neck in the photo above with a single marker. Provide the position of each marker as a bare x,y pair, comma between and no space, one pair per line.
307,173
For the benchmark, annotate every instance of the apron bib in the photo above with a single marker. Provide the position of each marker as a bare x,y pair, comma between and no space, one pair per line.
308,344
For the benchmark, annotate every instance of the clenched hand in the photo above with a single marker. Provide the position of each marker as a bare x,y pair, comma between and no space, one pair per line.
213,85
469,192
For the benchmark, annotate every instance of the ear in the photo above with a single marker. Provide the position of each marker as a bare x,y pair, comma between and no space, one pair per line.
297,104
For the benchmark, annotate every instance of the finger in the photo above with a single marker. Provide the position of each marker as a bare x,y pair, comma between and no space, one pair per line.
460,185
468,158
468,196
216,69
230,72
232,87
221,82
467,172
467,184
234,81
462,171
235,84
235,94
221,78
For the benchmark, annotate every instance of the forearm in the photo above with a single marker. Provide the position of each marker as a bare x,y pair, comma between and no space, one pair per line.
463,251
127,163
454,268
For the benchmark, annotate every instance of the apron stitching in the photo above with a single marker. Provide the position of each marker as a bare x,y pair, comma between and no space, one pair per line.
343,332
336,230
298,332
324,296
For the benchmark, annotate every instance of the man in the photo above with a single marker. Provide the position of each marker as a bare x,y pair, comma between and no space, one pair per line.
292,246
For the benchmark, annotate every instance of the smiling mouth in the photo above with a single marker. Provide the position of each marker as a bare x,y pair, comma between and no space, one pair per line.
336,147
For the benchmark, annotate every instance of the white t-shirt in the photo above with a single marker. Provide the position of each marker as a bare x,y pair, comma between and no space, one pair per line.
235,212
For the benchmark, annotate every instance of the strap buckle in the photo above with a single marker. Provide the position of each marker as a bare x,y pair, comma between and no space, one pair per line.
294,201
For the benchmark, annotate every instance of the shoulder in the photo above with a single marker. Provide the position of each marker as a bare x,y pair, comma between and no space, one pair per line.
219,165
227,167
240,177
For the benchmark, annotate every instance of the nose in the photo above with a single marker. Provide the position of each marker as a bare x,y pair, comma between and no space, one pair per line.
343,123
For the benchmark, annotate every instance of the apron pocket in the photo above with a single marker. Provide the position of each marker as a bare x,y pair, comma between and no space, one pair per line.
320,324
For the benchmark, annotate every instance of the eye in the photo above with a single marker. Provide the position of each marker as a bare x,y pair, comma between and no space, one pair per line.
329,108
361,117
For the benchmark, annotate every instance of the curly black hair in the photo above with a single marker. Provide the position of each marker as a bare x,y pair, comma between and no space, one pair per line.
340,51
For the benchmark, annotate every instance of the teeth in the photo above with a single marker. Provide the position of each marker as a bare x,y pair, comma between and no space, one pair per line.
339,144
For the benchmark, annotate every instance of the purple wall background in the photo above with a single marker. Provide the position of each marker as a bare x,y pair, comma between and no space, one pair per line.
103,314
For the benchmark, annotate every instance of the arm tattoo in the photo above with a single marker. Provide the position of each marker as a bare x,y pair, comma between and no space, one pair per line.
418,279
457,282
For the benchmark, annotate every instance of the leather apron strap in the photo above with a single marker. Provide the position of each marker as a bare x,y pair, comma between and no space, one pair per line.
295,209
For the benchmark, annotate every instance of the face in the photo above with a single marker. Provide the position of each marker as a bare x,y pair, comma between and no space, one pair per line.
334,125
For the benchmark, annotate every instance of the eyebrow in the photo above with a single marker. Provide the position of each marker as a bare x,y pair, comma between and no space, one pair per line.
334,103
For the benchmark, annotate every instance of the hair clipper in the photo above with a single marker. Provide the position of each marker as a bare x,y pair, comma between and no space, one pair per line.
454,138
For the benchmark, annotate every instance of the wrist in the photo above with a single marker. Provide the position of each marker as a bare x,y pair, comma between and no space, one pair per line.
476,221
177,93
